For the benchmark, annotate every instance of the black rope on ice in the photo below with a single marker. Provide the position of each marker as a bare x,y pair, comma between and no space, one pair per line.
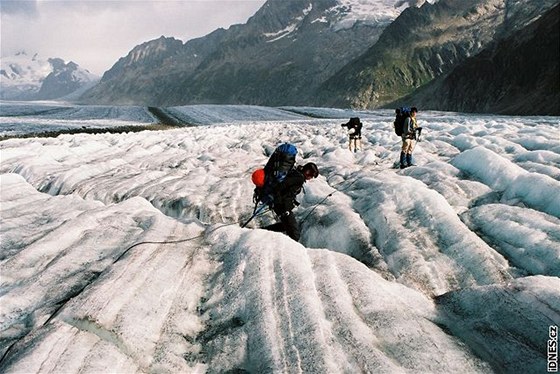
183,240
329,195
244,223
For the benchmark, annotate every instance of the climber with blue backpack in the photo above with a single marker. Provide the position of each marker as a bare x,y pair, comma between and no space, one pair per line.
277,186
406,127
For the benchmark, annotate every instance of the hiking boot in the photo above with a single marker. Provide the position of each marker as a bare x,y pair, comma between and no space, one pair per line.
403,160
408,160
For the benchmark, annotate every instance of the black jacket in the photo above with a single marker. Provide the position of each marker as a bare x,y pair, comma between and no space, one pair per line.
285,193
356,125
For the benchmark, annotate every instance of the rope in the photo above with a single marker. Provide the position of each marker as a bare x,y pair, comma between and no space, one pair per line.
187,239
332,193
256,214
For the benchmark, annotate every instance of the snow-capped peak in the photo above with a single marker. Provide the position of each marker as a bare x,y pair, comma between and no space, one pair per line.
290,28
23,75
371,12
346,13
23,69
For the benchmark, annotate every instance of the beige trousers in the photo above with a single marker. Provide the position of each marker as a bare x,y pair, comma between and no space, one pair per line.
408,146
354,144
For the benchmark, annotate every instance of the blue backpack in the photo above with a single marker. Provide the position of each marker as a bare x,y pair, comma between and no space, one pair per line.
280,163
401,114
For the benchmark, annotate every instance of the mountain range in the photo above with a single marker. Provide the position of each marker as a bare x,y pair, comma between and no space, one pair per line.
493,56
30,77
279,57
459,38
348,53
517,75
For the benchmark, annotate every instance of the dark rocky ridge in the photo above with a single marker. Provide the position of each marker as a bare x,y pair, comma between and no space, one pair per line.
423,44
520,74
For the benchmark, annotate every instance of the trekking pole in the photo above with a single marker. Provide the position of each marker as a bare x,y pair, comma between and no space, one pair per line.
329,195
256,212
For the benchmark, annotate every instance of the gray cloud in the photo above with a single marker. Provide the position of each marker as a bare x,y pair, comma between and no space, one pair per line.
96,33
25,7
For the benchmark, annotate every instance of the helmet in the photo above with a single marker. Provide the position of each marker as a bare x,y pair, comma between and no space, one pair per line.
258,177
311,168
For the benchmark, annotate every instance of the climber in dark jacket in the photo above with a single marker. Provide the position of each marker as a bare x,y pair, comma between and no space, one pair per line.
354,127
285,199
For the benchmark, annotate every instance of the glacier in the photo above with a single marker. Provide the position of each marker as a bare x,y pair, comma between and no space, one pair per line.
123,252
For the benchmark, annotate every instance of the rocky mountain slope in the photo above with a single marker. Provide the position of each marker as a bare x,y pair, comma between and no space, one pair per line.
350,53
520,74
279,57
424,43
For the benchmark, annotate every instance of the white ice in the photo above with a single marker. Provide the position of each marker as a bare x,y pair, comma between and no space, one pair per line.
124,253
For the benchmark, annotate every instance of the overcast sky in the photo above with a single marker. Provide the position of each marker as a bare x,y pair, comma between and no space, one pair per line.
96,33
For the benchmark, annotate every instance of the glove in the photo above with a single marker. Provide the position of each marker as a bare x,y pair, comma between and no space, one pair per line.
285,214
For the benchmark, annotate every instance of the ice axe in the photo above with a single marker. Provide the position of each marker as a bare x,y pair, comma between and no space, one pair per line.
419,129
